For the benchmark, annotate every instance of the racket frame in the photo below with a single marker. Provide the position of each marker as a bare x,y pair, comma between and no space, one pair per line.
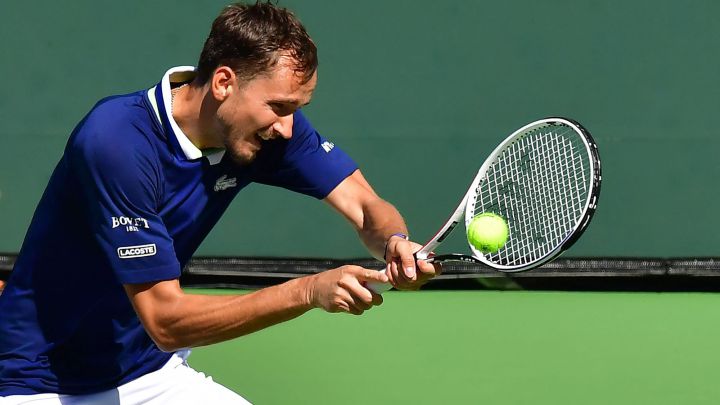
465,210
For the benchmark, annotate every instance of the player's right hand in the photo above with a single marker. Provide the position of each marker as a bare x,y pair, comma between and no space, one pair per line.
343,289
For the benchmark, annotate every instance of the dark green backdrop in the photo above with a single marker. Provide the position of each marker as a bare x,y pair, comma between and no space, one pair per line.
418,92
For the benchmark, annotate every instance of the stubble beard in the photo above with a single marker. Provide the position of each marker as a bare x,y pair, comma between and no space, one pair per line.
238,154
240,146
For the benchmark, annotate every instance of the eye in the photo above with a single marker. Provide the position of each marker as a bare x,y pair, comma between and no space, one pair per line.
282,109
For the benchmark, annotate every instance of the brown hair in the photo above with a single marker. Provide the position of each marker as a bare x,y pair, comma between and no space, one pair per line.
250,38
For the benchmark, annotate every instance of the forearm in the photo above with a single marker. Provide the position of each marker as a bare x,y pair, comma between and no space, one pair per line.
376,221
380,220
197,320
373,218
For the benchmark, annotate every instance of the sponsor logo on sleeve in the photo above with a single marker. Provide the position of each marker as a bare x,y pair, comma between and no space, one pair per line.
328,146
130,224
131,252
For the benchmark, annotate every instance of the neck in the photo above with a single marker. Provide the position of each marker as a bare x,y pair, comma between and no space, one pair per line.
192,118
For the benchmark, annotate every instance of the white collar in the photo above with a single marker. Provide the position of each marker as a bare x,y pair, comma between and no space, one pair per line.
180,74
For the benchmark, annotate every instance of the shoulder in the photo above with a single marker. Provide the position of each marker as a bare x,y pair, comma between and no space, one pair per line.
116,126
304,136
117,138
301,124
119,118
307,162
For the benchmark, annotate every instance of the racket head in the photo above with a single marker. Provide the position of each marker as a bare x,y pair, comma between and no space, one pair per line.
544,180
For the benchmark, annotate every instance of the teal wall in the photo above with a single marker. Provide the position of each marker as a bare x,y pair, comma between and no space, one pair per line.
418,92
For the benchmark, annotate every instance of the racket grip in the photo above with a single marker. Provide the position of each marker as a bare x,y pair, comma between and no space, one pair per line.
378,288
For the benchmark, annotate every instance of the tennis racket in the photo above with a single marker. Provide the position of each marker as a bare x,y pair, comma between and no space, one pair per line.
544,180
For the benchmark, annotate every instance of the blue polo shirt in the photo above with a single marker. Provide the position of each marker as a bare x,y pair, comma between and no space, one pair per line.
129,202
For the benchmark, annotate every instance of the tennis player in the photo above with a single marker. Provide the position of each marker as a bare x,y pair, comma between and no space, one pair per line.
93,312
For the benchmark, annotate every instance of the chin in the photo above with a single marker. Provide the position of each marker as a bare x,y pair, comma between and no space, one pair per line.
242,158
242,153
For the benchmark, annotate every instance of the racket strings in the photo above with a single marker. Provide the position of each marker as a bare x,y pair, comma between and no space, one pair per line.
554,210
557,219
540,184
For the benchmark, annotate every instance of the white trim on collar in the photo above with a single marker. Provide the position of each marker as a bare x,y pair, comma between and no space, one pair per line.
177,75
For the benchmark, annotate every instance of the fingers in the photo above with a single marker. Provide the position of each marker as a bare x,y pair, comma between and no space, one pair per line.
377,299
359,296
343,289
364,274
347,303
428,270
400,252
407,262
396,269
391,270
356,287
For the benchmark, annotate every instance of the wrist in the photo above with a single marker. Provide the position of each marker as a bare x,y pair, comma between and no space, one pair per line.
305,287
387,242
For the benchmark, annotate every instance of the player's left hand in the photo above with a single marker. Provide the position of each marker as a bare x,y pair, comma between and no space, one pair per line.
403,271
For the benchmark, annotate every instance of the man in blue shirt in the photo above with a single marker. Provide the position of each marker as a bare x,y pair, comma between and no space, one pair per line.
93,311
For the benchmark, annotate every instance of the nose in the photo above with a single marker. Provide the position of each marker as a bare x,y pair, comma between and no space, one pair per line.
283,126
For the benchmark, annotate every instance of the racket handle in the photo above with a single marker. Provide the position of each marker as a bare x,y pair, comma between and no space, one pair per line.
378,288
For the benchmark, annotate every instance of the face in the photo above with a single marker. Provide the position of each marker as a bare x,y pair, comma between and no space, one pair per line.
260,109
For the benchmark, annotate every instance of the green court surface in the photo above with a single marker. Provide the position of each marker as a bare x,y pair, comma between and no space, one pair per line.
489,347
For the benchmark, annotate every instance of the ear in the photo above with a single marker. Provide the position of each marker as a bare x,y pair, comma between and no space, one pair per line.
222,83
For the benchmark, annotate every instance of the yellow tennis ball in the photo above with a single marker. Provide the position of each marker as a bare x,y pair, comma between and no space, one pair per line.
487,232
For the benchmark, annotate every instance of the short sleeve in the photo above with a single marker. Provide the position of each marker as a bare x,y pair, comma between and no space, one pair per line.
306,163
119,175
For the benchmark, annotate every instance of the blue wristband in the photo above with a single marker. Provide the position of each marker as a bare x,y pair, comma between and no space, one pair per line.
399,234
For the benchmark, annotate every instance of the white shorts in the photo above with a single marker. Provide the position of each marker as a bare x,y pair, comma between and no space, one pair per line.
176,383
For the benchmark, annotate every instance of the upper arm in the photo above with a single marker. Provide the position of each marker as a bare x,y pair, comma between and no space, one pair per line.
118,174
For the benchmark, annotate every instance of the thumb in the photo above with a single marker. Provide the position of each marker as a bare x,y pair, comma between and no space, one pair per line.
408,265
